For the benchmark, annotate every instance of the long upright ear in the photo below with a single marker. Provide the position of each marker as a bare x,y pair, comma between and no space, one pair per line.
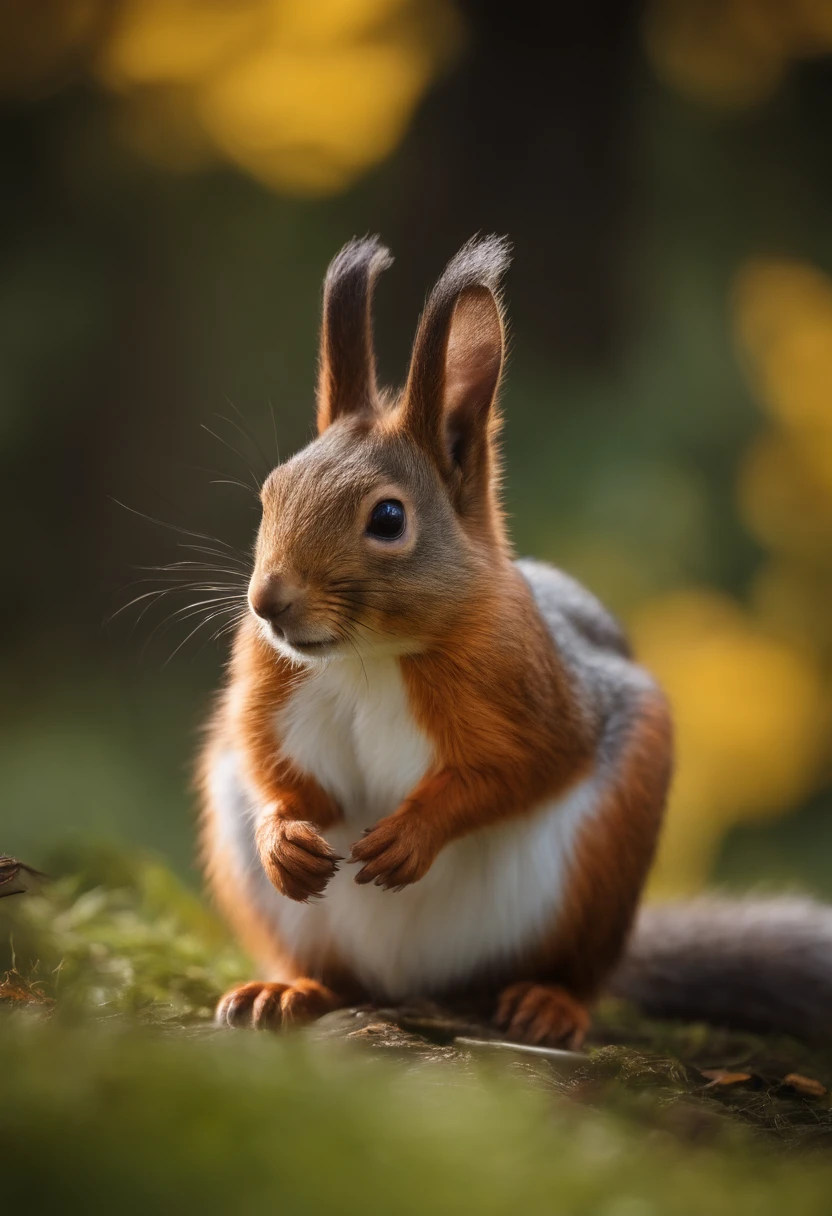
347,370
457,363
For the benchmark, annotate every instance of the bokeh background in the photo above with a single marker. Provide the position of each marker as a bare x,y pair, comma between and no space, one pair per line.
176,175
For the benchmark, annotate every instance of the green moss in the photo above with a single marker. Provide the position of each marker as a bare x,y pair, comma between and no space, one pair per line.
124,936
120,1096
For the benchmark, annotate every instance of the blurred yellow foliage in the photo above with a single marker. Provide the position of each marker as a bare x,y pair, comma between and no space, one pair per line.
733,53
313,121
751,688
794,598
784,324
749,713
303,94
785,495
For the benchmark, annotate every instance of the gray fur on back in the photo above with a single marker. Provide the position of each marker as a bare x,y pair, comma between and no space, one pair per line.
562,600
760,964
754,963
594,650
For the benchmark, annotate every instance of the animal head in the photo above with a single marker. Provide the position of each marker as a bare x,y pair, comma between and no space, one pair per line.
377,535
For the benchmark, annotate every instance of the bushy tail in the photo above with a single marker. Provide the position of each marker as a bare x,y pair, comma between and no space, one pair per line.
757,964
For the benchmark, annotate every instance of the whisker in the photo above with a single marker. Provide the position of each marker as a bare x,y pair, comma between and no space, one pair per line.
274,431
188,567
206,581
138,599
231,481
174,585
232,593
224,629
248,432
232,556
257,484
229,594
229,625
220,478
186,613
184,641
210,614
222,579
347,638
174,527
188,610
141,615
345,606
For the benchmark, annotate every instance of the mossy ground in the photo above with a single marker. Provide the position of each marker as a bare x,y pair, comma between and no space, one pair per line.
116,1094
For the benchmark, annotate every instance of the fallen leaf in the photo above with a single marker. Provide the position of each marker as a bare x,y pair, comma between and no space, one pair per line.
15,989
805,1085
721,1076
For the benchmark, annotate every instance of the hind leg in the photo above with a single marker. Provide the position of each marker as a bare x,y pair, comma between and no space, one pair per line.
269,1006
612,858
542,1015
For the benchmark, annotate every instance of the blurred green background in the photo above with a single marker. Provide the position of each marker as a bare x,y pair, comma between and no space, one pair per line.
176,176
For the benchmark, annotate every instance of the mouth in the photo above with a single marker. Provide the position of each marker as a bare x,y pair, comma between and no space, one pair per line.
311,647
295,647
307,648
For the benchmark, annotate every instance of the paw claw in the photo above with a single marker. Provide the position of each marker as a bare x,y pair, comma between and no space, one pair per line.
394,853
297,859
542,1015
272,1006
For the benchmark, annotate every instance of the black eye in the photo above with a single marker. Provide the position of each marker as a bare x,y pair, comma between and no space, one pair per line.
387,520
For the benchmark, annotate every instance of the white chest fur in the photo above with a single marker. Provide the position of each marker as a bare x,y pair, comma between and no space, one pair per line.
486,897
350,726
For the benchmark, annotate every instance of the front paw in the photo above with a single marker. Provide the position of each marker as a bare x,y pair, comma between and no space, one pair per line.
297,859
396,852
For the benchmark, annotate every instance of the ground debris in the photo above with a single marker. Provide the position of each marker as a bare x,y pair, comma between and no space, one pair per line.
16,992
721,1076
807,1086
122,943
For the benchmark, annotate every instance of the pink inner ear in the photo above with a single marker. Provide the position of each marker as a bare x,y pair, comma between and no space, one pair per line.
474,353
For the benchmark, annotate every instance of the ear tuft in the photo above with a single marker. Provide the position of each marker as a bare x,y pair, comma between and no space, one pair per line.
458,351
481,262
361,257
347,375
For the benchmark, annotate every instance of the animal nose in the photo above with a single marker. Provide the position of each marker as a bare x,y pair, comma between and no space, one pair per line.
271,597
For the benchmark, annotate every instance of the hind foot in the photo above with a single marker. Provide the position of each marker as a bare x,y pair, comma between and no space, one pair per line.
542,1015
263,1006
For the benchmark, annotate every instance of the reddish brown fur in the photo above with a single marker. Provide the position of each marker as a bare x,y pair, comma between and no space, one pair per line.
233,727
484,681
295,856
612,857
268,1006
255,933
504,743
613,854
